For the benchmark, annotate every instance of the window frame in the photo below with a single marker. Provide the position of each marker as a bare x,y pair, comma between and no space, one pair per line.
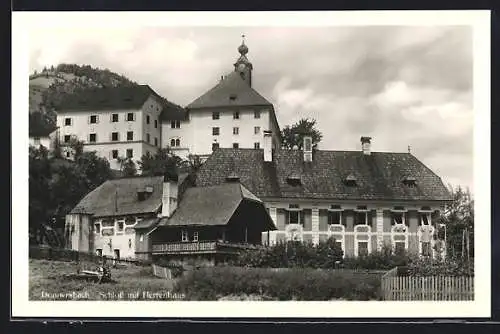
95,118
256,130
236,130
215,131
148,119
184,236
196,236
117,136
215,115
128,117
131,153
331,213
90,137
97,227
256,145
66,119
113,154
131,137
113,118
236,115
215,146
256,114
358,212
67,137
148,138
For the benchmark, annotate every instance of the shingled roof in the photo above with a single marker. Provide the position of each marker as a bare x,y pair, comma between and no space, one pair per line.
119,197
378,176
40,126
213,205
231,91
124,97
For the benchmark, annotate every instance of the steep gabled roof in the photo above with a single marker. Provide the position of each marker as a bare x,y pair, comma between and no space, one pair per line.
119,197
111,98
40,126
378,176
231,91
214,205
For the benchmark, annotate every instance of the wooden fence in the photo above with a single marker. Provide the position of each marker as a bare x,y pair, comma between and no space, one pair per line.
427,288
162,272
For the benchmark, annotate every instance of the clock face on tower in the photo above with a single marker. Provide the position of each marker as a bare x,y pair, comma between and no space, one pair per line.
241,67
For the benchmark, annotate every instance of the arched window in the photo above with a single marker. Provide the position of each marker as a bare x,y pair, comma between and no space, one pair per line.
172,142
177,142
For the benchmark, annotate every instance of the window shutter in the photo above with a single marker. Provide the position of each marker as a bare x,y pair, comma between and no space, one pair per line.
133,116
111,154
97,118
111,118
370,218
407,218
88,119
302,217
110,136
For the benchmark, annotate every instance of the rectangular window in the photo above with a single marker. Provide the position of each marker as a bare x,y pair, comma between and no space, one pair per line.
37,141
114,136
425,218
236,131
67,138
147,119
256,114
114,154
236,145
94,119
399,247
295,217
215,146
195,236
148,137
114,118
130,153
361,218
215,131
256,145
92,137
184,236
130,135
156,123
397,218
256,130
156,141
130,117
215,115
67,121
97,228
119,226
334,218
426,249
362,248
236,115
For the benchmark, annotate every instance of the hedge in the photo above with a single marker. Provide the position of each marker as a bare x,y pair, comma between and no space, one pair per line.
213,283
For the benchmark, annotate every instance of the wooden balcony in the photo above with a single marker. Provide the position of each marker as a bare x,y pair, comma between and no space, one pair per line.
200,247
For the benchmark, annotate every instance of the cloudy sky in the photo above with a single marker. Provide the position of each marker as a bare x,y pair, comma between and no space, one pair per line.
400,85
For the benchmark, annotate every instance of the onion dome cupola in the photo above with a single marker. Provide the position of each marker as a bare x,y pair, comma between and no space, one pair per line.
242,65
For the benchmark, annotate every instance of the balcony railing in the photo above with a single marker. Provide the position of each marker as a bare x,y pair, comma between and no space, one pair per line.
213,246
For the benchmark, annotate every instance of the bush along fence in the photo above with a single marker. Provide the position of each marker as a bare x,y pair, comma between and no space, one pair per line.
396,287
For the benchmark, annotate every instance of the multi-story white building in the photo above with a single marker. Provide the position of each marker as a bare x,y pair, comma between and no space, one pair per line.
117,122
131,121
230,115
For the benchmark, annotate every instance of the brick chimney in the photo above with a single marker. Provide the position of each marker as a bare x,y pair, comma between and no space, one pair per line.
169,196
268,146
366,145
307,147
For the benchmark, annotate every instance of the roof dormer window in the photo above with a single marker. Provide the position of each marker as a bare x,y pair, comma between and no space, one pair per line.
293,179
144,193
351,180
232,97
232,177
410,181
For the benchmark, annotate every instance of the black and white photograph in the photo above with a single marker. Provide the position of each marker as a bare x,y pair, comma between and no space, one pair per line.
263,162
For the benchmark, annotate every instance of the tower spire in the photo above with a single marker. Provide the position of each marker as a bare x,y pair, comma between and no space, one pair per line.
242,65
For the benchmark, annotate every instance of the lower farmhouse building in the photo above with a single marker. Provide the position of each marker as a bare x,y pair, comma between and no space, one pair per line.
155,216
363,199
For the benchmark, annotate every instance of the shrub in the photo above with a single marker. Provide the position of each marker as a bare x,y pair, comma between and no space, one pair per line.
384,259
292,254
279,284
